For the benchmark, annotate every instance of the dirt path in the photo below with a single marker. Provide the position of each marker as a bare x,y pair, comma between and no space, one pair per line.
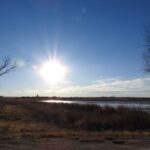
65,144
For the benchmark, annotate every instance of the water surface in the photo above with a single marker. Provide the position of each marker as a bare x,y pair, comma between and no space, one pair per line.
144,105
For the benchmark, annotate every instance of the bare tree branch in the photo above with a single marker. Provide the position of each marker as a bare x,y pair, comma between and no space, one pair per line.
6,66
147,53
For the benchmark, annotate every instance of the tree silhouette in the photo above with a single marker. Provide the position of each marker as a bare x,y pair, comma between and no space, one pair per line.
147,53
6,66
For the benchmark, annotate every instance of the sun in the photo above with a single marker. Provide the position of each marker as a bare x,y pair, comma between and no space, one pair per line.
53,71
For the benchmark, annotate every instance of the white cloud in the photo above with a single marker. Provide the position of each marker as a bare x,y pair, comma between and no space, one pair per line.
138,87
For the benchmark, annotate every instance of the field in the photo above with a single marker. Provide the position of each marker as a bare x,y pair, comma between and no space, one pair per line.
31,120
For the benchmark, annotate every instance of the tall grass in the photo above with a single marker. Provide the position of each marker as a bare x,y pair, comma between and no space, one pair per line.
89,117
78,117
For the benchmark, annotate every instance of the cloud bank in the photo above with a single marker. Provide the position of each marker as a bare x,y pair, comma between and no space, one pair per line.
138,87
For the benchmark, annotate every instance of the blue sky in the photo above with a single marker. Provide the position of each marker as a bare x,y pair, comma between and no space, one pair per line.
100,42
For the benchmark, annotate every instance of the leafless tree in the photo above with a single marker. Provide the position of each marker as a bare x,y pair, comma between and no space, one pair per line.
6,66
147,53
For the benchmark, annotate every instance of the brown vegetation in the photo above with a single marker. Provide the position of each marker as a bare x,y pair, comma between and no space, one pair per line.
28,118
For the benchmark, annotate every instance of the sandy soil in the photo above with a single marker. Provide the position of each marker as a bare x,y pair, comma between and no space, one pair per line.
66,144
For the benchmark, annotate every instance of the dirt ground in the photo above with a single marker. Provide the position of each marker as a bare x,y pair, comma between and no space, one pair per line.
72,144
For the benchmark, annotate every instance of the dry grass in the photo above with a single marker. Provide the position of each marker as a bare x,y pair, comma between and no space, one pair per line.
41,120
91,118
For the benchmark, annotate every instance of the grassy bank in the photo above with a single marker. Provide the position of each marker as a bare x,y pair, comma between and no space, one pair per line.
27,118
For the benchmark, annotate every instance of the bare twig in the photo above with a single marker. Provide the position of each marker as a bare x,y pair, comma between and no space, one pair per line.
6,66
147,54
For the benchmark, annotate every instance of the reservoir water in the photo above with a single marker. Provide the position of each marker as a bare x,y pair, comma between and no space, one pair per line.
142,105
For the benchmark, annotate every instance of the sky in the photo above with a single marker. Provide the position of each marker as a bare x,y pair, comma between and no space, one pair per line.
99,42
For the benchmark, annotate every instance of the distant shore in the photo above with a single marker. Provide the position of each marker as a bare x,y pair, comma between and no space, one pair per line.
111,98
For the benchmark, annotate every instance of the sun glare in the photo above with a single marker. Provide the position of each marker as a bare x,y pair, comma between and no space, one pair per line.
53,72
